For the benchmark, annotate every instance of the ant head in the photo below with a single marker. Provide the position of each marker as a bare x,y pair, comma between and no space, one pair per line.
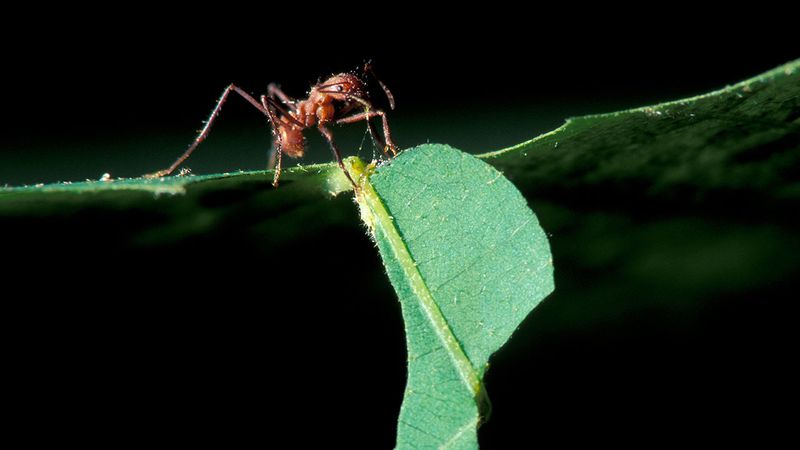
343,87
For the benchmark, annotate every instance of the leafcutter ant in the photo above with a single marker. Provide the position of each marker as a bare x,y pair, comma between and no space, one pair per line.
328,102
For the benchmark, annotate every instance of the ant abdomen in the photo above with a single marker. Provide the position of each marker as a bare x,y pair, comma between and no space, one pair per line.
292,141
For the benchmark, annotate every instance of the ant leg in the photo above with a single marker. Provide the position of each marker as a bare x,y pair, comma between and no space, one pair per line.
368,115
376,139
204,132
276,154
276,163
329,136
265,101
370,112
273,153
270,104
387,133
274,91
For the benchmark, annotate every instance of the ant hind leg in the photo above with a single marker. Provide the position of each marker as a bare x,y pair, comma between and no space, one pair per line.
207,128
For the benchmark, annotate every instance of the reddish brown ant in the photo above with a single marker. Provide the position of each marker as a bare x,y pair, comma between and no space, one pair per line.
327,103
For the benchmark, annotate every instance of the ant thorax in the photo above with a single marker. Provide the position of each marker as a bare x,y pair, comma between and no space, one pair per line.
347,90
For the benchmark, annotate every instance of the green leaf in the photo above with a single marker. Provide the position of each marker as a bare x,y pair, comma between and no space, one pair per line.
469,261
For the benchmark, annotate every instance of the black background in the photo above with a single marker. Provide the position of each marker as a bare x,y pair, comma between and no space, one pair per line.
225,344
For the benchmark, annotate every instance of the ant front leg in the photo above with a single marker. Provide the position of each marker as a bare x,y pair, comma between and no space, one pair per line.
390,145
329,136
204,132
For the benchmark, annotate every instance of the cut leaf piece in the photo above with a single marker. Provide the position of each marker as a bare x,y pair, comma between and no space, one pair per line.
469,261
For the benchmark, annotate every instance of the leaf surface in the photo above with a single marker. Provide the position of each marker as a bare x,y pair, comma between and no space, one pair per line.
469,261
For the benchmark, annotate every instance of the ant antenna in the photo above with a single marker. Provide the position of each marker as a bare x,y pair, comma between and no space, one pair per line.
368,69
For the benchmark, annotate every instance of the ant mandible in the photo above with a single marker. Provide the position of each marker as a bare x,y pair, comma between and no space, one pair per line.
328,103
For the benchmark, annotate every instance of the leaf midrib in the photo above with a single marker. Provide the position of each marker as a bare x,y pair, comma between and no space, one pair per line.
384,222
